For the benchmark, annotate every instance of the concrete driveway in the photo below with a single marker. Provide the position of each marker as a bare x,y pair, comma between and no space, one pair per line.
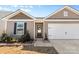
66,46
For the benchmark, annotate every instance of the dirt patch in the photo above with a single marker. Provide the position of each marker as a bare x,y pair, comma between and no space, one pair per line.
15,50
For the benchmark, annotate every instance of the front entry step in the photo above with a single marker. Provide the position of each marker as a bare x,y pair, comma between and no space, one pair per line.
43,43
39,39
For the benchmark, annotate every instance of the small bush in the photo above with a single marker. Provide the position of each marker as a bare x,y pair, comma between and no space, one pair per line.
26,38
14,40
3,37
6,39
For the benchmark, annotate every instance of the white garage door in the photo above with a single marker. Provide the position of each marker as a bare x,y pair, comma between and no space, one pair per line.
63,31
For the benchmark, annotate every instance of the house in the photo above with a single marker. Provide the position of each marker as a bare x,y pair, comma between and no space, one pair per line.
62,24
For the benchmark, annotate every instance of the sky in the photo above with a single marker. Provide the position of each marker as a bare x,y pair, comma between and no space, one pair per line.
35,10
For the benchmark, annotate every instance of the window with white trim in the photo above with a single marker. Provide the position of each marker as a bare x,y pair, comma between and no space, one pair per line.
20,28
65,13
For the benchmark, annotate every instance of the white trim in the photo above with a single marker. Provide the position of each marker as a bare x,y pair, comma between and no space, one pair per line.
5,26
34,30
19,20
61,20
43,30
73,10
16,12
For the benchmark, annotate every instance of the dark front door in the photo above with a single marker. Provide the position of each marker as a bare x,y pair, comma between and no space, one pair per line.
39,30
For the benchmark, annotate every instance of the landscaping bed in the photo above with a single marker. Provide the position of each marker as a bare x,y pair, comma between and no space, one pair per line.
23,45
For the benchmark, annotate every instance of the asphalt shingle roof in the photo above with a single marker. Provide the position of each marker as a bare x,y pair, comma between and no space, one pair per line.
4,13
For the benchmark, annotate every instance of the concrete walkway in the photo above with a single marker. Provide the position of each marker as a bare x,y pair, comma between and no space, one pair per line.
66,46
43,43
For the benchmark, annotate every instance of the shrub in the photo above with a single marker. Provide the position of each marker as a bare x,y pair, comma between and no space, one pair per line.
3,37
25,38
14,40
6,39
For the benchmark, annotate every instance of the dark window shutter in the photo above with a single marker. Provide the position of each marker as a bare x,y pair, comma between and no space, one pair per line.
15,28
25,26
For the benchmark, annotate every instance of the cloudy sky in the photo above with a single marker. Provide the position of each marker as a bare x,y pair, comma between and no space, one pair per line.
35,10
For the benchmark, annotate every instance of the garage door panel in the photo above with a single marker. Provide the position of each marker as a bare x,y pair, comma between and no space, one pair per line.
63,31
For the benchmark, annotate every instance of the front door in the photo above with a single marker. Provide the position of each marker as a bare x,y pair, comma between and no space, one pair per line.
39,30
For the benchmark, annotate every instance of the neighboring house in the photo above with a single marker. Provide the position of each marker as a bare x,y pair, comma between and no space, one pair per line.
62,24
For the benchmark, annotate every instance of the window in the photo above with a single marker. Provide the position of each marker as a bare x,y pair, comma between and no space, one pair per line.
20,28
65,13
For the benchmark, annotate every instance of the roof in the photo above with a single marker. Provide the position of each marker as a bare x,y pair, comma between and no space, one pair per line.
17,12
67,7
4,13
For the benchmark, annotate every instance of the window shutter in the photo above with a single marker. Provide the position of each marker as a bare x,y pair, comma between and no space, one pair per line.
15,28
25,26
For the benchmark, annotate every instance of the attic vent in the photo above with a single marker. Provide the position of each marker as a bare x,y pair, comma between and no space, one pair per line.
65,13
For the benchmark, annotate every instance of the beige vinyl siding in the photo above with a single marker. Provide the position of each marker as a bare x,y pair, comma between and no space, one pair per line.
59,15
10,28
2,27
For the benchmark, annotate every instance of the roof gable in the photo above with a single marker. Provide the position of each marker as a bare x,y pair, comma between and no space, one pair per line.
19,14
72,13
